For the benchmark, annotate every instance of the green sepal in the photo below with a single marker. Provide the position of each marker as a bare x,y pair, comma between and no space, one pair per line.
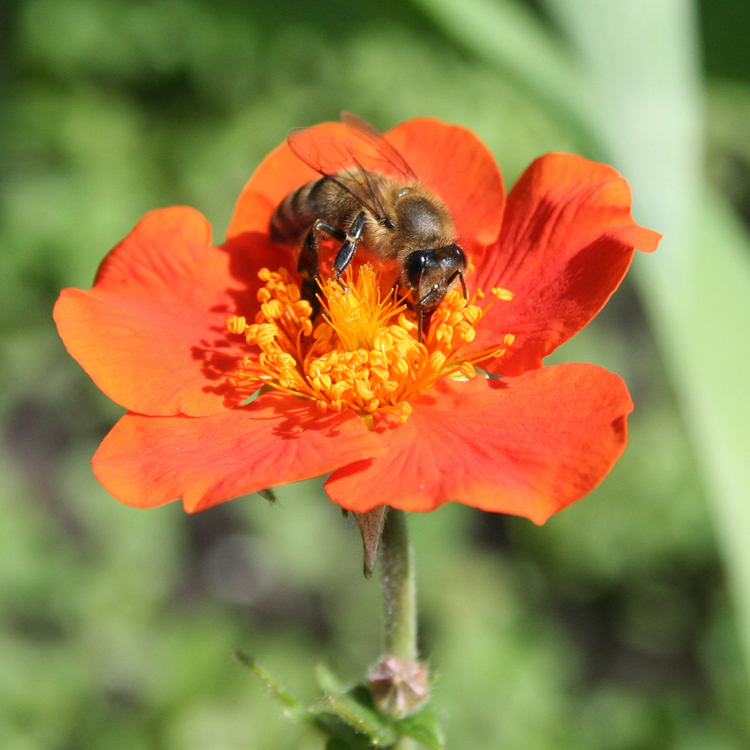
423,727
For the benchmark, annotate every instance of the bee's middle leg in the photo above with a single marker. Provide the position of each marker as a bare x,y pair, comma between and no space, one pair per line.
307,266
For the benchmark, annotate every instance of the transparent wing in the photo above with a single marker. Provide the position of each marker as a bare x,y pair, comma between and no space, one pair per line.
386,157
352,158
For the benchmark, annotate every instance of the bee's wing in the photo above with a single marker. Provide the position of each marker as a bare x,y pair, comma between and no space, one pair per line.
387,160
348,158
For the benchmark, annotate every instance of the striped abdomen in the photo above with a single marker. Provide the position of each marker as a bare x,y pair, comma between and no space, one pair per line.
297,212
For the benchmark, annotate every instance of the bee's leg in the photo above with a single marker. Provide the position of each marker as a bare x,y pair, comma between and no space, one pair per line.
337,234
463,285
420,322
307,266
347,250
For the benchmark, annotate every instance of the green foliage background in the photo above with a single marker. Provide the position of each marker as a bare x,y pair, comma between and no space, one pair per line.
617,626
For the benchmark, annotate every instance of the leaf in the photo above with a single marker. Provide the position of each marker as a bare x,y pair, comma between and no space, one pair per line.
642,57
336,744
345,721
327,680
636,102
294,708
363,720
509,37
424,728
342,733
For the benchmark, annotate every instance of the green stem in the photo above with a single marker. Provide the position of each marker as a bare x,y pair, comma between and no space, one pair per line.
399,587
400,595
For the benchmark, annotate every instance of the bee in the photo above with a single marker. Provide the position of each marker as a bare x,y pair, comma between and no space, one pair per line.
368,195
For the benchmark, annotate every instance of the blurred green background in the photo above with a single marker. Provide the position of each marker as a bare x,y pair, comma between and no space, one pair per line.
623,624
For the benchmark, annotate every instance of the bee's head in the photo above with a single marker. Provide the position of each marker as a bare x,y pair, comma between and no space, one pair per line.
431,273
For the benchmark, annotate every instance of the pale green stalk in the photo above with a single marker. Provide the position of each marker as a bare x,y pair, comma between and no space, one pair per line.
400,595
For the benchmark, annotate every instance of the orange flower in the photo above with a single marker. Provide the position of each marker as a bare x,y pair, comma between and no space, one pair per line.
181,333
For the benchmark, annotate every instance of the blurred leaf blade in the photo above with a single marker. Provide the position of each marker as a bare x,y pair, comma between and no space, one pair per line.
640,65
327,680
362,719
641,57
293,706
507,35
424,727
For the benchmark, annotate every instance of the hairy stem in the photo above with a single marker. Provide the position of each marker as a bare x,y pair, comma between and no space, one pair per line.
399,587
400,595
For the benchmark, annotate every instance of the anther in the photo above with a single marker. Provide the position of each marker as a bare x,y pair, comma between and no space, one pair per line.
406,324
467,370
436,360
472,314
503,294
236,324
266,334
272,309
378,358
444,332
401,367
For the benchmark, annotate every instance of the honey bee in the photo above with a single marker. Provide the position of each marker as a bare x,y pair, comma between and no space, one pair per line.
368,194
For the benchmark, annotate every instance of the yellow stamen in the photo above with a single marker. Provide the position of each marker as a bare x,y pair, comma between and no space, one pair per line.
364,354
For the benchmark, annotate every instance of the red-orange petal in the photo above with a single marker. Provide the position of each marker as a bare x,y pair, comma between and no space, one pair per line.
528,446
566,242
449,159
151,332
149,461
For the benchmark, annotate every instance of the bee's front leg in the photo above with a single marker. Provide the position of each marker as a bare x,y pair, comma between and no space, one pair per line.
420,322
347,250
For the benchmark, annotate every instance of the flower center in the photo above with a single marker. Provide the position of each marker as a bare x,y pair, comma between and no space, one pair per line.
364,354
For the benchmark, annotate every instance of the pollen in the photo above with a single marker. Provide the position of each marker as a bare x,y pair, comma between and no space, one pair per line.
363,353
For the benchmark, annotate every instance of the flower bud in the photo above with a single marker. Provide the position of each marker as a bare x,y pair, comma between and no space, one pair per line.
399,687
